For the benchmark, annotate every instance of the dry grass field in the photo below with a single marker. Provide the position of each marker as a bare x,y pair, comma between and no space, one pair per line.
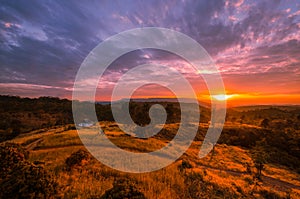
227,172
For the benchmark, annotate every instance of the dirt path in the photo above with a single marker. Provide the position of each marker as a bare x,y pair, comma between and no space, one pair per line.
266,180
51,148
278,183
33,144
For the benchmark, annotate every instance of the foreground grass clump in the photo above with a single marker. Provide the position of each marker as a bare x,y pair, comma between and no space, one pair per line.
21,179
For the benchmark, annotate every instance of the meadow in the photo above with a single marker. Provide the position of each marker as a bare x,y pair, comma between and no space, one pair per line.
253,158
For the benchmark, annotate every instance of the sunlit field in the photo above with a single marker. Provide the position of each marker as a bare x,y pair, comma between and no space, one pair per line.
227,172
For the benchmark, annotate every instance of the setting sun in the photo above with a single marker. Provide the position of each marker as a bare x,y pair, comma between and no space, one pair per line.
223,97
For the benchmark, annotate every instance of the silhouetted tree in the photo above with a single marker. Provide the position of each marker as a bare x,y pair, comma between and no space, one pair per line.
260,157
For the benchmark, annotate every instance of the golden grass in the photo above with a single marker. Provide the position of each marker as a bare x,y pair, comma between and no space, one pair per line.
93,179
83,184
53,157
282,173
137,145
224,157
66,138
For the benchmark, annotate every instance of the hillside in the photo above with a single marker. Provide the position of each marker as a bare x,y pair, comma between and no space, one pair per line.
227,172
257,155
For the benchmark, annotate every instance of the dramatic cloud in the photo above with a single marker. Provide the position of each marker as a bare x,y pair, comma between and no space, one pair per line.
255,44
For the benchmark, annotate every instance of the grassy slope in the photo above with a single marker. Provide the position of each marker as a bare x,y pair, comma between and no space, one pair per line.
224,169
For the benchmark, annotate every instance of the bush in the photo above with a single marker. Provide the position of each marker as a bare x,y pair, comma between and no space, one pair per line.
124,189
28,181
11,156
21,179
78,158
271,195
185,165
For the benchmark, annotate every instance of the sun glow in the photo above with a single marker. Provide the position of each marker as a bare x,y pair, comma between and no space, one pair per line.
223,97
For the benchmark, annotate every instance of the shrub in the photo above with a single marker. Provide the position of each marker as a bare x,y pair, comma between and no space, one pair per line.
124,189
28,181
78,158
249,180
185,165
265,123
11,156
271,195
21,179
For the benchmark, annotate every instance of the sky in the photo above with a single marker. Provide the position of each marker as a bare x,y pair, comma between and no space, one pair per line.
254,44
